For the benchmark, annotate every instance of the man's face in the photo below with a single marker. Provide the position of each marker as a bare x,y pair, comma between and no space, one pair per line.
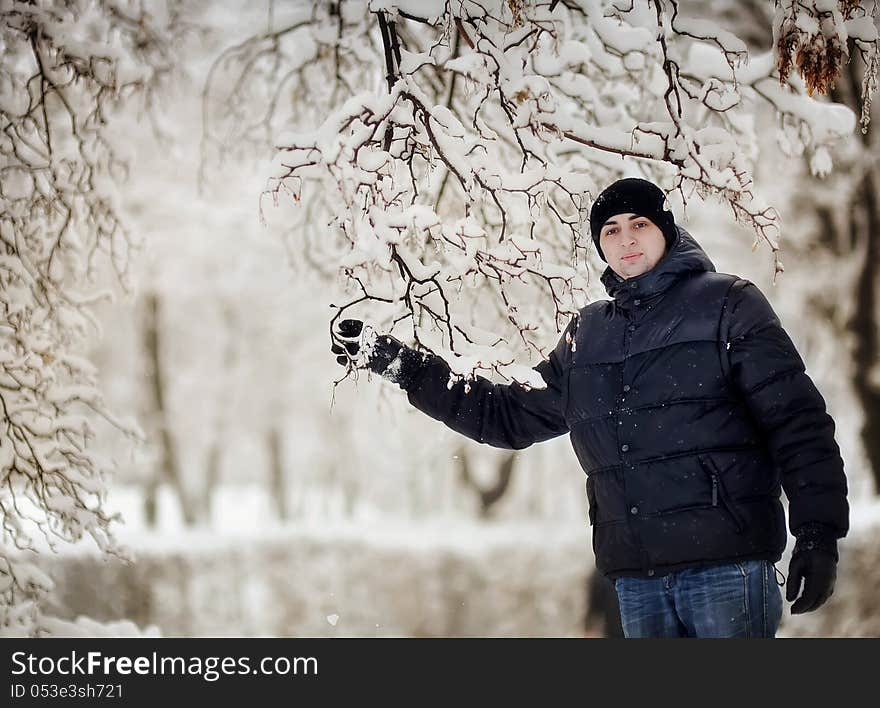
632,244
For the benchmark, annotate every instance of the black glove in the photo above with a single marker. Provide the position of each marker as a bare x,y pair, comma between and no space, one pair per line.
365,349
814,560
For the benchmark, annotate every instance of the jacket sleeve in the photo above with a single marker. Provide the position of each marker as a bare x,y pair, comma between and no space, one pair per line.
508,416
788,409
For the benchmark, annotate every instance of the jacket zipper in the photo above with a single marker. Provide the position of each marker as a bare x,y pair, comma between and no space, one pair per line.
719,491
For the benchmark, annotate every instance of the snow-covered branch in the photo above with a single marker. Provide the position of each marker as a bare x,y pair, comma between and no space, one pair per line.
459,144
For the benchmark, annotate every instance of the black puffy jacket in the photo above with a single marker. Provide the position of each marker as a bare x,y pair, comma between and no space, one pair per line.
689,409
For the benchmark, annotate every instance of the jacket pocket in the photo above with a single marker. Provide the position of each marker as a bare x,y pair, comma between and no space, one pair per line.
719,492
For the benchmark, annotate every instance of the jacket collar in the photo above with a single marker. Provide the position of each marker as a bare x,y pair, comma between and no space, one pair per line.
684,257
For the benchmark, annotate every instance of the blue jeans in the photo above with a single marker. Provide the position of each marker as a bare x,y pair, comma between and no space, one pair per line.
732,600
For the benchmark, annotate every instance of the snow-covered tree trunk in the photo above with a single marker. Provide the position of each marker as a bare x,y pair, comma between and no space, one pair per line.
277,483
168,468
223,413
490,492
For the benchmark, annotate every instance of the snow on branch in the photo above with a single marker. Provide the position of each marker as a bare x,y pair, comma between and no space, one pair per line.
446,152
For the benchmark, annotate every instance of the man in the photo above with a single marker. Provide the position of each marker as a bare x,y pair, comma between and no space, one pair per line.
689,409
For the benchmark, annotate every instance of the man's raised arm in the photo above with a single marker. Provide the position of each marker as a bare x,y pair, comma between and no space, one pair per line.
510,416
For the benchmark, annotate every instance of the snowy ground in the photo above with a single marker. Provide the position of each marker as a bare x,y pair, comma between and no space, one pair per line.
378,576
369,576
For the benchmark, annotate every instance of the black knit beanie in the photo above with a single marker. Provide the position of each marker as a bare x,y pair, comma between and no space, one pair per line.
632,196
